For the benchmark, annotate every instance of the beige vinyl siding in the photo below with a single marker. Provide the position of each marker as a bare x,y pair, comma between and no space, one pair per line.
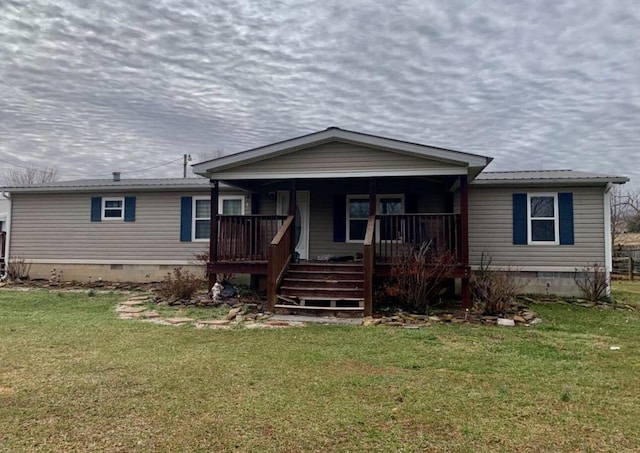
335,157
58,226
491,229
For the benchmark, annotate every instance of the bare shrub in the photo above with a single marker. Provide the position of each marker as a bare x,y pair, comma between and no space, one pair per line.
495,291
418,276
180,285
592,282
18,268
203,259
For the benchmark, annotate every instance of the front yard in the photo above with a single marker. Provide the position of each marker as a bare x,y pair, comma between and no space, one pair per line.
73,377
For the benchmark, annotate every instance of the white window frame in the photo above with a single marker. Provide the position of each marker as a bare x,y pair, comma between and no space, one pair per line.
242,199
556,218
222,198
379,197
104,208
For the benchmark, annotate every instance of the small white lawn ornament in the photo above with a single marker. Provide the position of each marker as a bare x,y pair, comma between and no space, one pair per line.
216,291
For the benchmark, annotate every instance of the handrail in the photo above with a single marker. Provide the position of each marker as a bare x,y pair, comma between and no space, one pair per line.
277,239
279,258
369,263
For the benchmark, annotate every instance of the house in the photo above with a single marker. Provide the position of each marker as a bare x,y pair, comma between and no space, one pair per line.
114,229
318,218
345,193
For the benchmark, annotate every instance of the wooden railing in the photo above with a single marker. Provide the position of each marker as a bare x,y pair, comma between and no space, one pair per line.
369,263
246,237
280,250
398,234
3,249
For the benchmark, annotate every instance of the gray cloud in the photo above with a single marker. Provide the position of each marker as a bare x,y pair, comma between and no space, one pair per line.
92,87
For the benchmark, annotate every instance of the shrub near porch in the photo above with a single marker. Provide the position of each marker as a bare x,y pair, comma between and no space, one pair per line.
74,377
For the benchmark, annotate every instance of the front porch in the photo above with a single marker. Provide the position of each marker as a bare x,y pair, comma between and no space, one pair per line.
266,244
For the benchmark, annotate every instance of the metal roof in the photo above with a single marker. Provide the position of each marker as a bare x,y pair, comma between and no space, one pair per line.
83,185
546,177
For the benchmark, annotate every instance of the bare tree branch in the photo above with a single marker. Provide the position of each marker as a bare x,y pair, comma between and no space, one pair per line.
29,175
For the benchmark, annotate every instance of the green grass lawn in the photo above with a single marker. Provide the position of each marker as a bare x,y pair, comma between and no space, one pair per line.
75,378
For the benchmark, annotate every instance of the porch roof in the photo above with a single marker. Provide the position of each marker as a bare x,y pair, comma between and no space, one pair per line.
406,159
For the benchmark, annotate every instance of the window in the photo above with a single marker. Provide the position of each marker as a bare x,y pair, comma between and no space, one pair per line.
542,218
113,208
358,215
227,205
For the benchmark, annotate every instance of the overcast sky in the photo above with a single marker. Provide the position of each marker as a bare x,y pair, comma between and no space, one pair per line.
91,87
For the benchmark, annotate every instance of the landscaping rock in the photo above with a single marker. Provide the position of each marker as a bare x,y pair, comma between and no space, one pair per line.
130,310
506,322
535,321
518,318
132,303
434,319
178,321
233,313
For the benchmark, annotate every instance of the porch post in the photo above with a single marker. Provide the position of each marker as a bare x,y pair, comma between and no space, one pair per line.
372,196
213,232
292,211
369,255
464,244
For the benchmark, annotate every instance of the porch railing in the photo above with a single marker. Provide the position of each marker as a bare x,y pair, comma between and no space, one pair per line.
280,250
369,264
399,234
3,249
246,237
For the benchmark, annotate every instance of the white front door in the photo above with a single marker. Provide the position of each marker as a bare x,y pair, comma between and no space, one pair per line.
302,219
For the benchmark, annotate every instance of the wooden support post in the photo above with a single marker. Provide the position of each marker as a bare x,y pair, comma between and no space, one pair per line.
213,232
464,225
292,211
372,196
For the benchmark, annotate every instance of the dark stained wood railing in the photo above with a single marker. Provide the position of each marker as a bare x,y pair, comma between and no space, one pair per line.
3,249
246,237
397,234
369,263
278,259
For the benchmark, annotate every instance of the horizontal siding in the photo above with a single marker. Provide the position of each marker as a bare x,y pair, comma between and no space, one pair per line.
333,157
432,198
491,230
55,226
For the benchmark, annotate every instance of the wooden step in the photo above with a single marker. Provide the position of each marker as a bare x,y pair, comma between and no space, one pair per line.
322,283
322,293
311,307
327,267
334,275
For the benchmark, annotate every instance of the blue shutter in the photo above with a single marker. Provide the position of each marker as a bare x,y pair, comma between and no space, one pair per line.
185,219
339,218
129,209
96,209
520,218
565,213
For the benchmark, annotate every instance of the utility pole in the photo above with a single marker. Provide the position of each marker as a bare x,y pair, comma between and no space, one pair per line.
187,158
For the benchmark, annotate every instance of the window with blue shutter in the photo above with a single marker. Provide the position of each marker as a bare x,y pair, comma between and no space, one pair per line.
543,218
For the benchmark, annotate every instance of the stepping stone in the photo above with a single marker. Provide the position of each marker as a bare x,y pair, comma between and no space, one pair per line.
215,322
141,298
132,303
178,321
130,310
151,314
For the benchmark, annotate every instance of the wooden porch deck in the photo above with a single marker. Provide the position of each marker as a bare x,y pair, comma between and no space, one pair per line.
246,245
